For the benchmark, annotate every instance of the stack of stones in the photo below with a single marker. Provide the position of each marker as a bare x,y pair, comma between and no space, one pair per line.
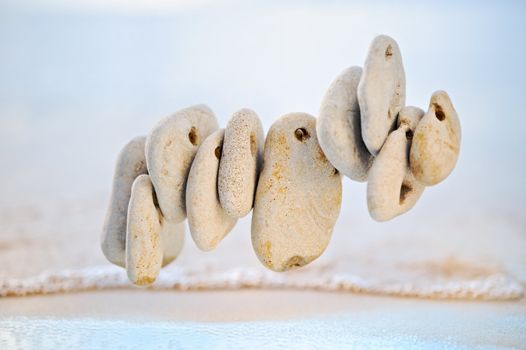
187,167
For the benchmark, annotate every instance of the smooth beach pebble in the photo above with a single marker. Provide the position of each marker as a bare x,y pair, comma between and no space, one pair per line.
339,127
130,164
207,220
170,149
144,251
392,190
381,91
172,240
436,142
240,162
298,196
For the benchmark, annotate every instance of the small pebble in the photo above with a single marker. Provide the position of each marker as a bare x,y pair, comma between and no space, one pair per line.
436,142
240,163
392,189
130,164
339,127
207,220
298,196
381,91
170,150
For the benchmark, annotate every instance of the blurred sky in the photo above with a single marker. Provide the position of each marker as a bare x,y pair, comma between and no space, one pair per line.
79,79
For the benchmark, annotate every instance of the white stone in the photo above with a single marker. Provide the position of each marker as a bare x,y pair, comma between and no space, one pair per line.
339,127
381,91
144,250
170,150
207,220
436,142
172,240
130,163
240,163
392,189
298,196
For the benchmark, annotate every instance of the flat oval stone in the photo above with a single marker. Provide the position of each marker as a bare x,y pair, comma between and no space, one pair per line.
381,91
436,142
144,250
240,162
298,196
339,127
131,163
207,220
392,190
170,150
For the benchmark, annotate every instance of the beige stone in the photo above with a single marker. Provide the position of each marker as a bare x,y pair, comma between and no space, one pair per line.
207,220
298,196
170,150
339,127
381,91
172,240
436,142
240,162
130,164
392,190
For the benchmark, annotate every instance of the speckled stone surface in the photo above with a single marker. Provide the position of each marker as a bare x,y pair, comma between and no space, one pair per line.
207,220
392,189
170,150
130,164
381,91
436,142
339,127
172,240
298,196
240,162
144,251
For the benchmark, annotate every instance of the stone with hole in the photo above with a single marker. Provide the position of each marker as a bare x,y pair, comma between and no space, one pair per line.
339,127
381,91
170,150
207,220
130,164
436,142
240,162
392,190
298,196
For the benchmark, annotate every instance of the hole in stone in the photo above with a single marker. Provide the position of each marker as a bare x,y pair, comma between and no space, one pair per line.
409,135
404,192
192,136
389,52
439,112
217,152
335,172
295,261
253,144
156,204
301,134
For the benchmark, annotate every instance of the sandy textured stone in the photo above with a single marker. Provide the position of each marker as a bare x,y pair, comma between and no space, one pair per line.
339,127
170,149
436,142
240,162
172,240
131,163
298,196
381,91
392,190
144,250
207,220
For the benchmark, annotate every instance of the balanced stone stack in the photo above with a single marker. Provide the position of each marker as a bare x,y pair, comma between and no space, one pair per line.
189,168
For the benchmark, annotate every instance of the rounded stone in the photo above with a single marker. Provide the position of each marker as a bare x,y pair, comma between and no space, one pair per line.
298,196
392,190
144,250
339,127
381,91
207,220
240,162
172,240
130,163
170,150
436,142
